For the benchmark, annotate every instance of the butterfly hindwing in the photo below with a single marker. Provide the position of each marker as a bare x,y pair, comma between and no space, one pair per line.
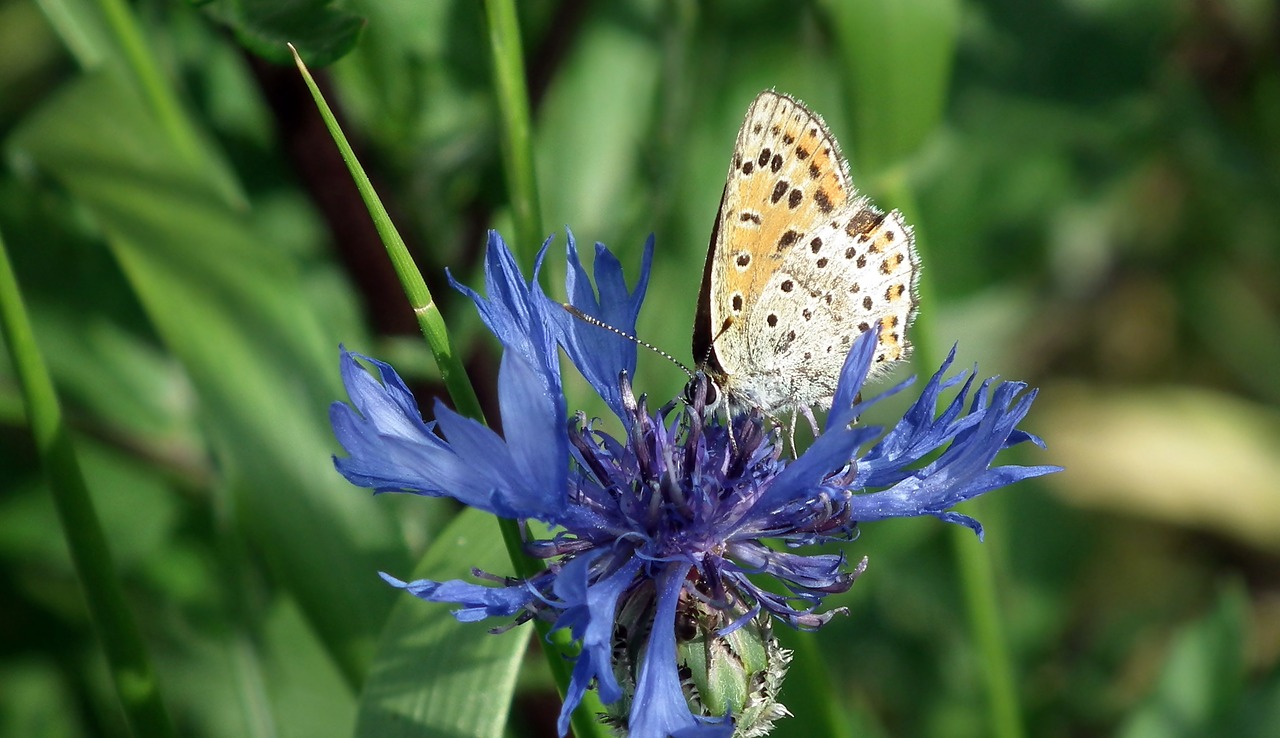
823,297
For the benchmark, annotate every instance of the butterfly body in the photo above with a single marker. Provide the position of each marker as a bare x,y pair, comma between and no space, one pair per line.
799,265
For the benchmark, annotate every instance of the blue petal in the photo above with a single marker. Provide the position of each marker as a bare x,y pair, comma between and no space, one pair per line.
852,376
385,398
659,709
479,602
919,432
390,448
836,446
536,432
589,614
964,470
516,312
806,571
491,478
803,477
598,353
526,476
387,464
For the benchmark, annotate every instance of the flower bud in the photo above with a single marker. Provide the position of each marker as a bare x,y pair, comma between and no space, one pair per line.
737,673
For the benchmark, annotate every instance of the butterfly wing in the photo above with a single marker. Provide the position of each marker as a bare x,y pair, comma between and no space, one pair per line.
859,268
799,266
786,178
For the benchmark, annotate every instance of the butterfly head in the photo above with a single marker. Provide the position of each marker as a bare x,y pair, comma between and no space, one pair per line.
702,394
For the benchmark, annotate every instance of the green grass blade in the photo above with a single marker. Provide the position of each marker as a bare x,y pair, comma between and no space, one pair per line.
522,186
974,559
436,333
977,577
517,136
131,669
106,34
810,693
898,59
145,70
415,287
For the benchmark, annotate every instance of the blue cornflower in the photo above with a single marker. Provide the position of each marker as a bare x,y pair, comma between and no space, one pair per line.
659,533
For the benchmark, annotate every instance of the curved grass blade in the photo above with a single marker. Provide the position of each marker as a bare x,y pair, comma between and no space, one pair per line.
248,335
433,328
415,287
131,669
513,106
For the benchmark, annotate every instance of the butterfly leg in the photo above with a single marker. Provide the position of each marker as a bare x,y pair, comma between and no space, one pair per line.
728,424
813,422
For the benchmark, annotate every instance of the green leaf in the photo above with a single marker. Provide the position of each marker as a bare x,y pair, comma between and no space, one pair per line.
435,676
132,672
897,58
1203,678
322,33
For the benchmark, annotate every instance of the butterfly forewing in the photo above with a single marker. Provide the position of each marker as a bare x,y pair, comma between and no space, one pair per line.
786,175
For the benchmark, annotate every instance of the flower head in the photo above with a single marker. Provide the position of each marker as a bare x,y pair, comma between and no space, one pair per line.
661,533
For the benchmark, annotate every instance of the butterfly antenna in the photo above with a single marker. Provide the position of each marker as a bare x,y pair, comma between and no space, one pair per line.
575,312
706,355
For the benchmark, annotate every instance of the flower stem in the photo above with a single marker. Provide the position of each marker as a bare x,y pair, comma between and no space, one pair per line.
972,557
142,64
132,673
978,582
812,692
522,185
516,130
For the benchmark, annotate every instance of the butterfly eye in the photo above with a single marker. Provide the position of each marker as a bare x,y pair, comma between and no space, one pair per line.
701,392
713,395
691,391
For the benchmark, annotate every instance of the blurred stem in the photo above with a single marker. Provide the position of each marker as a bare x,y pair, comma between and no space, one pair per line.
159,94
142,63
977,579
458,384
898,58
112,39
810,689
131,670
516,134
976,571
676,89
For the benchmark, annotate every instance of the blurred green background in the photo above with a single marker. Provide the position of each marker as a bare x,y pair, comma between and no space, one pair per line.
1095,186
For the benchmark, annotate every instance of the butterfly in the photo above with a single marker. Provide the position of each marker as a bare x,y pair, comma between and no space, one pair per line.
799,265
